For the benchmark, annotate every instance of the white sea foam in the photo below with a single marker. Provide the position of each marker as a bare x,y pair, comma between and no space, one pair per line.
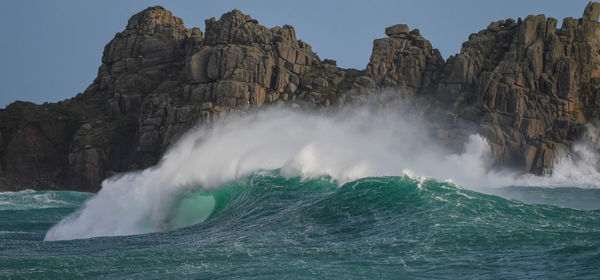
30,199
577,167
345,147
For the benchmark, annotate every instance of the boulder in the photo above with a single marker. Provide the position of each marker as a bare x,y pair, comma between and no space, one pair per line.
398,30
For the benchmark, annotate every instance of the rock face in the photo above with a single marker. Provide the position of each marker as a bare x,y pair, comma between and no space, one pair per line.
405,61
157,80
525,85
528,86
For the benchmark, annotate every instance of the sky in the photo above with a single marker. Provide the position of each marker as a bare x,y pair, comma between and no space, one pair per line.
51,50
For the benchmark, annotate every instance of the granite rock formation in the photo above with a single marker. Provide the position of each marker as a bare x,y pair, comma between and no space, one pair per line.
525,85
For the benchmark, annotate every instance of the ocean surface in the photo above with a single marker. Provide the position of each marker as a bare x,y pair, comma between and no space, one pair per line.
289,196
270,227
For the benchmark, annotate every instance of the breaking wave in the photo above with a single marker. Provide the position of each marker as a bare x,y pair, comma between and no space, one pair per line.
343,148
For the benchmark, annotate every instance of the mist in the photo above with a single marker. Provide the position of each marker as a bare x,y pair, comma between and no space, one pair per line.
342,146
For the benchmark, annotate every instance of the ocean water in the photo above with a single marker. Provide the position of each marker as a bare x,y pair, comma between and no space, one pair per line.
269,227
286,195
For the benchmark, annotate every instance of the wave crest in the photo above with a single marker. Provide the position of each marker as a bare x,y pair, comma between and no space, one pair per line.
344,147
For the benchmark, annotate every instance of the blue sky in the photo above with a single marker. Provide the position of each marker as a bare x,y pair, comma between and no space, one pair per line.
51,50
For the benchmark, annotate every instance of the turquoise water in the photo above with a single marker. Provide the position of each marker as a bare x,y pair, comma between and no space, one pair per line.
270,227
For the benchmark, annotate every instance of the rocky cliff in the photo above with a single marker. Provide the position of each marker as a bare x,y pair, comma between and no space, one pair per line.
528,85
525,85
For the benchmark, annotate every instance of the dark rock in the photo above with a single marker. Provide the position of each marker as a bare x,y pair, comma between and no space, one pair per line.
526,86
534,76
330,62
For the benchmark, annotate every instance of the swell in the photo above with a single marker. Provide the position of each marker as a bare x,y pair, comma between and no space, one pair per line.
29,199
386,224
396,209
377,205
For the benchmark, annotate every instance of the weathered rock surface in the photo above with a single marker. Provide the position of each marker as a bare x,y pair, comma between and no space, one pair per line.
405,61
525,85
157,80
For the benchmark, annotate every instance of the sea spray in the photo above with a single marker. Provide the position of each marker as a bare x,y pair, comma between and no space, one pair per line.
345,147
574,167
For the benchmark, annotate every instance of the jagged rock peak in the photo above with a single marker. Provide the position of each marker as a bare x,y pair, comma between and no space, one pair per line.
236,27
396,30
147,20
529,86
235,17
404,60
233,27
525,85
153,33
592,11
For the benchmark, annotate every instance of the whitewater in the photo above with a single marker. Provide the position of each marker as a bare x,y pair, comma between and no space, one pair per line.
314,195
344,147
